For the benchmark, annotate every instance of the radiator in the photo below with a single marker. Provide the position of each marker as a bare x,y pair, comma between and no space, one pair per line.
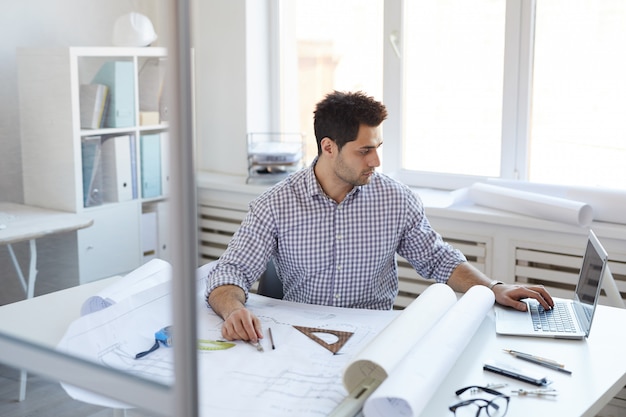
411,284
557,268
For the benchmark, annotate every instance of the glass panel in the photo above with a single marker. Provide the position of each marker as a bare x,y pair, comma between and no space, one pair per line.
338,47
453,73
78,217
579,94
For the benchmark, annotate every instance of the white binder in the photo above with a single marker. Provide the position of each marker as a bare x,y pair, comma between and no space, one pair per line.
116,169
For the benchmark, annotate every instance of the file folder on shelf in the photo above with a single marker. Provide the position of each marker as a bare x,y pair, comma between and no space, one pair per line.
119,77
116,169
150,165
92,171
93,105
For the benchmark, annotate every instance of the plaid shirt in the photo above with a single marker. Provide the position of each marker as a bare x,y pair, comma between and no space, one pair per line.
338,254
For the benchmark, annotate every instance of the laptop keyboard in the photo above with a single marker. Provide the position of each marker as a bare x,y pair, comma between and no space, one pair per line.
556,320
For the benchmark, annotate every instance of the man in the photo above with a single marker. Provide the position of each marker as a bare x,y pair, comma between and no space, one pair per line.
334,228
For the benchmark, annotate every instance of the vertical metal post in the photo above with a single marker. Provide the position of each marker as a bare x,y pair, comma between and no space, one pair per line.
183,220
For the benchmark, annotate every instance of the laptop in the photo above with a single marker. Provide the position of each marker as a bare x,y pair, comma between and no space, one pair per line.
574,316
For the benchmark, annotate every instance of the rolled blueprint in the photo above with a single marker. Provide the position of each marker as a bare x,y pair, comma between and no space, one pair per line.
532,204
430,360
608,205
382,355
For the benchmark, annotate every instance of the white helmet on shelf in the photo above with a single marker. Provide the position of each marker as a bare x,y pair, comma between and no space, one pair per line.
133,29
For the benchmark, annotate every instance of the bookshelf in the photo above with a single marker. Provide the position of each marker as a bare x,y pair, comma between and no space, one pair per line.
95,141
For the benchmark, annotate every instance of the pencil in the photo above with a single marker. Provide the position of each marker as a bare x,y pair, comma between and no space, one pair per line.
548,363
269,331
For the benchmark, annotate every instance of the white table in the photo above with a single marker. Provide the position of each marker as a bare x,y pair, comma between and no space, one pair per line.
19,223
598,367
598,363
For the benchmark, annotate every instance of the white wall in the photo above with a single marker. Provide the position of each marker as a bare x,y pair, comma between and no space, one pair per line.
231,80
46,23
231,67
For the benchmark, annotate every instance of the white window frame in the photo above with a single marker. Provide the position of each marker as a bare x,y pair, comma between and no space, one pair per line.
515,107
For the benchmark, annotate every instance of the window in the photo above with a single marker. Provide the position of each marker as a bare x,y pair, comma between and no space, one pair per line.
528,90
453,63
578,129
327,45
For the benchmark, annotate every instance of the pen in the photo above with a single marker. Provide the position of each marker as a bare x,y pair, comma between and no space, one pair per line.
515,352
548,363
269,330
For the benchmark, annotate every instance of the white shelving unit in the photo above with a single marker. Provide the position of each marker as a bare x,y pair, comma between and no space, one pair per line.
52,136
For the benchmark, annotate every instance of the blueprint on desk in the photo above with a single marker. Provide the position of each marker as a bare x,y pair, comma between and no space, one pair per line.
299,377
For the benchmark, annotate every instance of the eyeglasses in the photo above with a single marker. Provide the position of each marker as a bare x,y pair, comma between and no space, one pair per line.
496,407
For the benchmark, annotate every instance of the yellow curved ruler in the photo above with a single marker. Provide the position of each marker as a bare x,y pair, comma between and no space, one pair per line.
205,344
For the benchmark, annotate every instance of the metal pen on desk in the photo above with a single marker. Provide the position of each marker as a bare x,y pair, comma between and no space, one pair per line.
548,363
516,352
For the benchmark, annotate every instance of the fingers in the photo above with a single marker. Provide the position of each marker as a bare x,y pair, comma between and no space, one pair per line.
545,295
241,324
539,293
511,296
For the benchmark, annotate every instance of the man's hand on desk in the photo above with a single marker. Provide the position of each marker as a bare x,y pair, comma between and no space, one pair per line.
239,323
465,276
509,295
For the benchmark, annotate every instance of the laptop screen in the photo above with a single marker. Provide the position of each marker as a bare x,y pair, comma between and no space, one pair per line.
589,283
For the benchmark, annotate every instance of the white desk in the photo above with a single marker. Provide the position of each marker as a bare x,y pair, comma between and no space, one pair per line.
20,223
598,364
598,367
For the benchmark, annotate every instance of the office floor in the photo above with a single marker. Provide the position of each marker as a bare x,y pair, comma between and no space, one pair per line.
48,277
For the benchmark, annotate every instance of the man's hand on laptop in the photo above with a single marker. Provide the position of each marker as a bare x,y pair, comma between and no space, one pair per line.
510,296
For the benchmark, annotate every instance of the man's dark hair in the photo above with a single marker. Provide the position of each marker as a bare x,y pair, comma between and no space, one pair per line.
339,115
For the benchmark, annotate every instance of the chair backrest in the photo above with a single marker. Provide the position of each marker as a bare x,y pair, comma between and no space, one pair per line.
610,288
269,283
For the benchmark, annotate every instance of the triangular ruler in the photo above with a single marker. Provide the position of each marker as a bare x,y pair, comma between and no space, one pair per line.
342,337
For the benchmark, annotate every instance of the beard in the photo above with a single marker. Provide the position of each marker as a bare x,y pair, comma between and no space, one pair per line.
350,175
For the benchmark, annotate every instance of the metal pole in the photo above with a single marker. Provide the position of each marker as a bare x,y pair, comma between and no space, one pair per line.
183,220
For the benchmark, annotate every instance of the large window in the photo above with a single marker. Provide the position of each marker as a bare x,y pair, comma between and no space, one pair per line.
531,90
453,63
528,90
327,45
578,128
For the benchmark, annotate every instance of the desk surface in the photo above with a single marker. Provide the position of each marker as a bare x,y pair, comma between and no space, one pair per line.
19,222
44,319
598,363
598,367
